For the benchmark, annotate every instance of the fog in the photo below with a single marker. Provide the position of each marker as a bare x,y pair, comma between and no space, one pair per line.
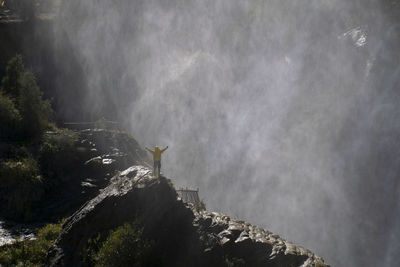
282,113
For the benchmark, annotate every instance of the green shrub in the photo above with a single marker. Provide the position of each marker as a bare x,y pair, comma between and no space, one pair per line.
199,206
13,151
170,183
126,247
92,248
20,187
10,119
234,262
11,82
44,240
59,156
30,252
35,111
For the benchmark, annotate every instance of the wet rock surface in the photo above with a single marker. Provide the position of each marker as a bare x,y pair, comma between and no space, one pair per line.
9,232
184,236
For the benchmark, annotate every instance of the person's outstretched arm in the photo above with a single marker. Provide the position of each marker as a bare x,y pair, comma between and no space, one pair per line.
148,149
164,149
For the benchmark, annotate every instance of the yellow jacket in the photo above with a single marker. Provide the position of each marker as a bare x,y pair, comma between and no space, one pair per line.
157,152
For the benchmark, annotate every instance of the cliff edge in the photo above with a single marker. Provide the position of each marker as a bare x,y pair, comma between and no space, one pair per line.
182,235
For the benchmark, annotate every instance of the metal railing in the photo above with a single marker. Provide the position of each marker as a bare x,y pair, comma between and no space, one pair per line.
102,124
189,195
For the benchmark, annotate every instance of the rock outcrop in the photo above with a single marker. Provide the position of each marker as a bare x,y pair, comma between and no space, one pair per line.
184,236
132,194
72,167
256,246
97,154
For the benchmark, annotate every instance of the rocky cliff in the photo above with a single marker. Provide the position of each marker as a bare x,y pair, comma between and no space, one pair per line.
183,236
72,165
84,167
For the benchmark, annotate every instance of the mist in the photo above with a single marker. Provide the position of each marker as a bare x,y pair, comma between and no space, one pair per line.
282,113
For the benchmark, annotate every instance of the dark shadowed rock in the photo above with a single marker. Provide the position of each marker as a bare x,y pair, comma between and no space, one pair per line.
96,155
183,236
131,194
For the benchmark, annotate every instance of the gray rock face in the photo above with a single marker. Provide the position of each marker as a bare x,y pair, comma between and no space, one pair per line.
183,236
258,247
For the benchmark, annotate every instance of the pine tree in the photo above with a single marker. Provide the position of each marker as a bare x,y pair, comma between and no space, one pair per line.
19,86
11,83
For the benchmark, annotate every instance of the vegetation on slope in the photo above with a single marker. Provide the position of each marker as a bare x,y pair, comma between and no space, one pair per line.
30,252
126,246
38,159
21,187
24,116
29,113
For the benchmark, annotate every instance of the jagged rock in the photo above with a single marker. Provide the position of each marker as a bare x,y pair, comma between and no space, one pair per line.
255,245
184,236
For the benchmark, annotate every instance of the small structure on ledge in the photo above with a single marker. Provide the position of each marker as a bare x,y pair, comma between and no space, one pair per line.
189,195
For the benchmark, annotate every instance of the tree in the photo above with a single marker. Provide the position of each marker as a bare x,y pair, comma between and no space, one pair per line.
10,118
126,247
19,86
34,110
11,83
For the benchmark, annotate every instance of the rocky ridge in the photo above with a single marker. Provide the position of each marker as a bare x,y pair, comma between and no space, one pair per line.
258,246
183,235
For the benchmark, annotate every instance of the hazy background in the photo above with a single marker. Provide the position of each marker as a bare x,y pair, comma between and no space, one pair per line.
283,113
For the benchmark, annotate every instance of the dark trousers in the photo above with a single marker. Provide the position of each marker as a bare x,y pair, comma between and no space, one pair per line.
157,165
